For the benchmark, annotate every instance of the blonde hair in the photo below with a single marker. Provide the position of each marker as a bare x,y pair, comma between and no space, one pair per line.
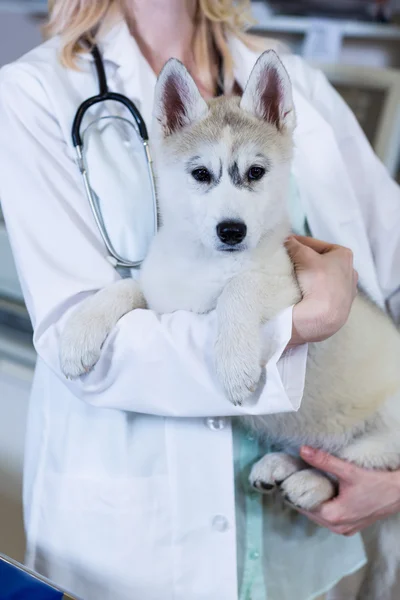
78,21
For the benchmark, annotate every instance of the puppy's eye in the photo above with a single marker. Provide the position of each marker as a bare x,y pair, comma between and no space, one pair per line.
202,174
255,173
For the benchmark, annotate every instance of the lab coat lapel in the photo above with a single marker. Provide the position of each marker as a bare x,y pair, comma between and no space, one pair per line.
116,46
324,186
128,72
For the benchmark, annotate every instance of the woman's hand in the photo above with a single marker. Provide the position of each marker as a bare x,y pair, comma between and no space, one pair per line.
364,496
328,283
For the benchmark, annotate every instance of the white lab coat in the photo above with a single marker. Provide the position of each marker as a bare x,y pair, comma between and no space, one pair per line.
129,488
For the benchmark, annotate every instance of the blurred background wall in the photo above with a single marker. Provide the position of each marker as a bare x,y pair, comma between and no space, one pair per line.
356,42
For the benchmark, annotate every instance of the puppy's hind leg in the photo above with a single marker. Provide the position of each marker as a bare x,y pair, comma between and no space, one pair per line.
91,322
380,449
382,543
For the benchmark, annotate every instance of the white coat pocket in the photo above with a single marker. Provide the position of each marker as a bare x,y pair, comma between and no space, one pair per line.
105,539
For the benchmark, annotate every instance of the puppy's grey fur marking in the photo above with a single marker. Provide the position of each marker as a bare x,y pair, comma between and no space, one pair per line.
236,178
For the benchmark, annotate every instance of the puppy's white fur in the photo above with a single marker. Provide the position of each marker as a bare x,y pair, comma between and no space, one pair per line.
351,403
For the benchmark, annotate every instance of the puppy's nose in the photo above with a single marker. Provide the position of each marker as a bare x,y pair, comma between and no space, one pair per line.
231,232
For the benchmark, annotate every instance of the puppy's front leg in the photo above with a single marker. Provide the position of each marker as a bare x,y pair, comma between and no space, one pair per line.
247,302
91,322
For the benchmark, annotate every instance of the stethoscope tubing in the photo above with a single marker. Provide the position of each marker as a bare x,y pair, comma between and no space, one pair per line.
103,96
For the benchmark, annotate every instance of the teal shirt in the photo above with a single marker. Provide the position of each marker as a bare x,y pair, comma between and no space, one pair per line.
281,554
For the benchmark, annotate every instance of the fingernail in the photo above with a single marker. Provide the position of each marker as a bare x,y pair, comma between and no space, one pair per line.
307,452
288,239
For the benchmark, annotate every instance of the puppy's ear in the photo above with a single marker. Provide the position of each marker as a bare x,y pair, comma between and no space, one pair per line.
268,93
177,101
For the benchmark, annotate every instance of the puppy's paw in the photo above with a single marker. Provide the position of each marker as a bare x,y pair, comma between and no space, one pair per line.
238,368
272,470
81,342
307,489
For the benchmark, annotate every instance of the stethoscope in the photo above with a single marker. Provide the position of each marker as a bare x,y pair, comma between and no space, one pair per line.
103,96
141,129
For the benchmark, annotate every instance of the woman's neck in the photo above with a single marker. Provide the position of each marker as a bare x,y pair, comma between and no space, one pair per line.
162,29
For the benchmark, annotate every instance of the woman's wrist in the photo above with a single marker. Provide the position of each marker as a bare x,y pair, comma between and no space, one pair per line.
297,338
312,321
306,324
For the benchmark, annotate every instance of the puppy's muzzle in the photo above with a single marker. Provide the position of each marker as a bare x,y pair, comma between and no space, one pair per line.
231,233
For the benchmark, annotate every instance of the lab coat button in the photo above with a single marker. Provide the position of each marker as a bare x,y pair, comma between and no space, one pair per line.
254,555
220,523
216,423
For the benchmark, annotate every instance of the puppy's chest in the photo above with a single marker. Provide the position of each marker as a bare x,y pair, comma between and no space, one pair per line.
178,283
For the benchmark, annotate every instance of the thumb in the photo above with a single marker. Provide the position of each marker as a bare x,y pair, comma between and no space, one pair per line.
300,255
330,464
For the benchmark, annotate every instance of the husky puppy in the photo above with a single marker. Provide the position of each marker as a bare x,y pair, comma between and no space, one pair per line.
223,169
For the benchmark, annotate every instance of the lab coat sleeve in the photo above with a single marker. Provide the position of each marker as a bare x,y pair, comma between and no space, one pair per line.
377,193
152,364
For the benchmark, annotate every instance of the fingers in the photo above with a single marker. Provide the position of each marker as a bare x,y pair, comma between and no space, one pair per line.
302,251
328,463
322,247
300,254
331,514
338,525
346,530
319,246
